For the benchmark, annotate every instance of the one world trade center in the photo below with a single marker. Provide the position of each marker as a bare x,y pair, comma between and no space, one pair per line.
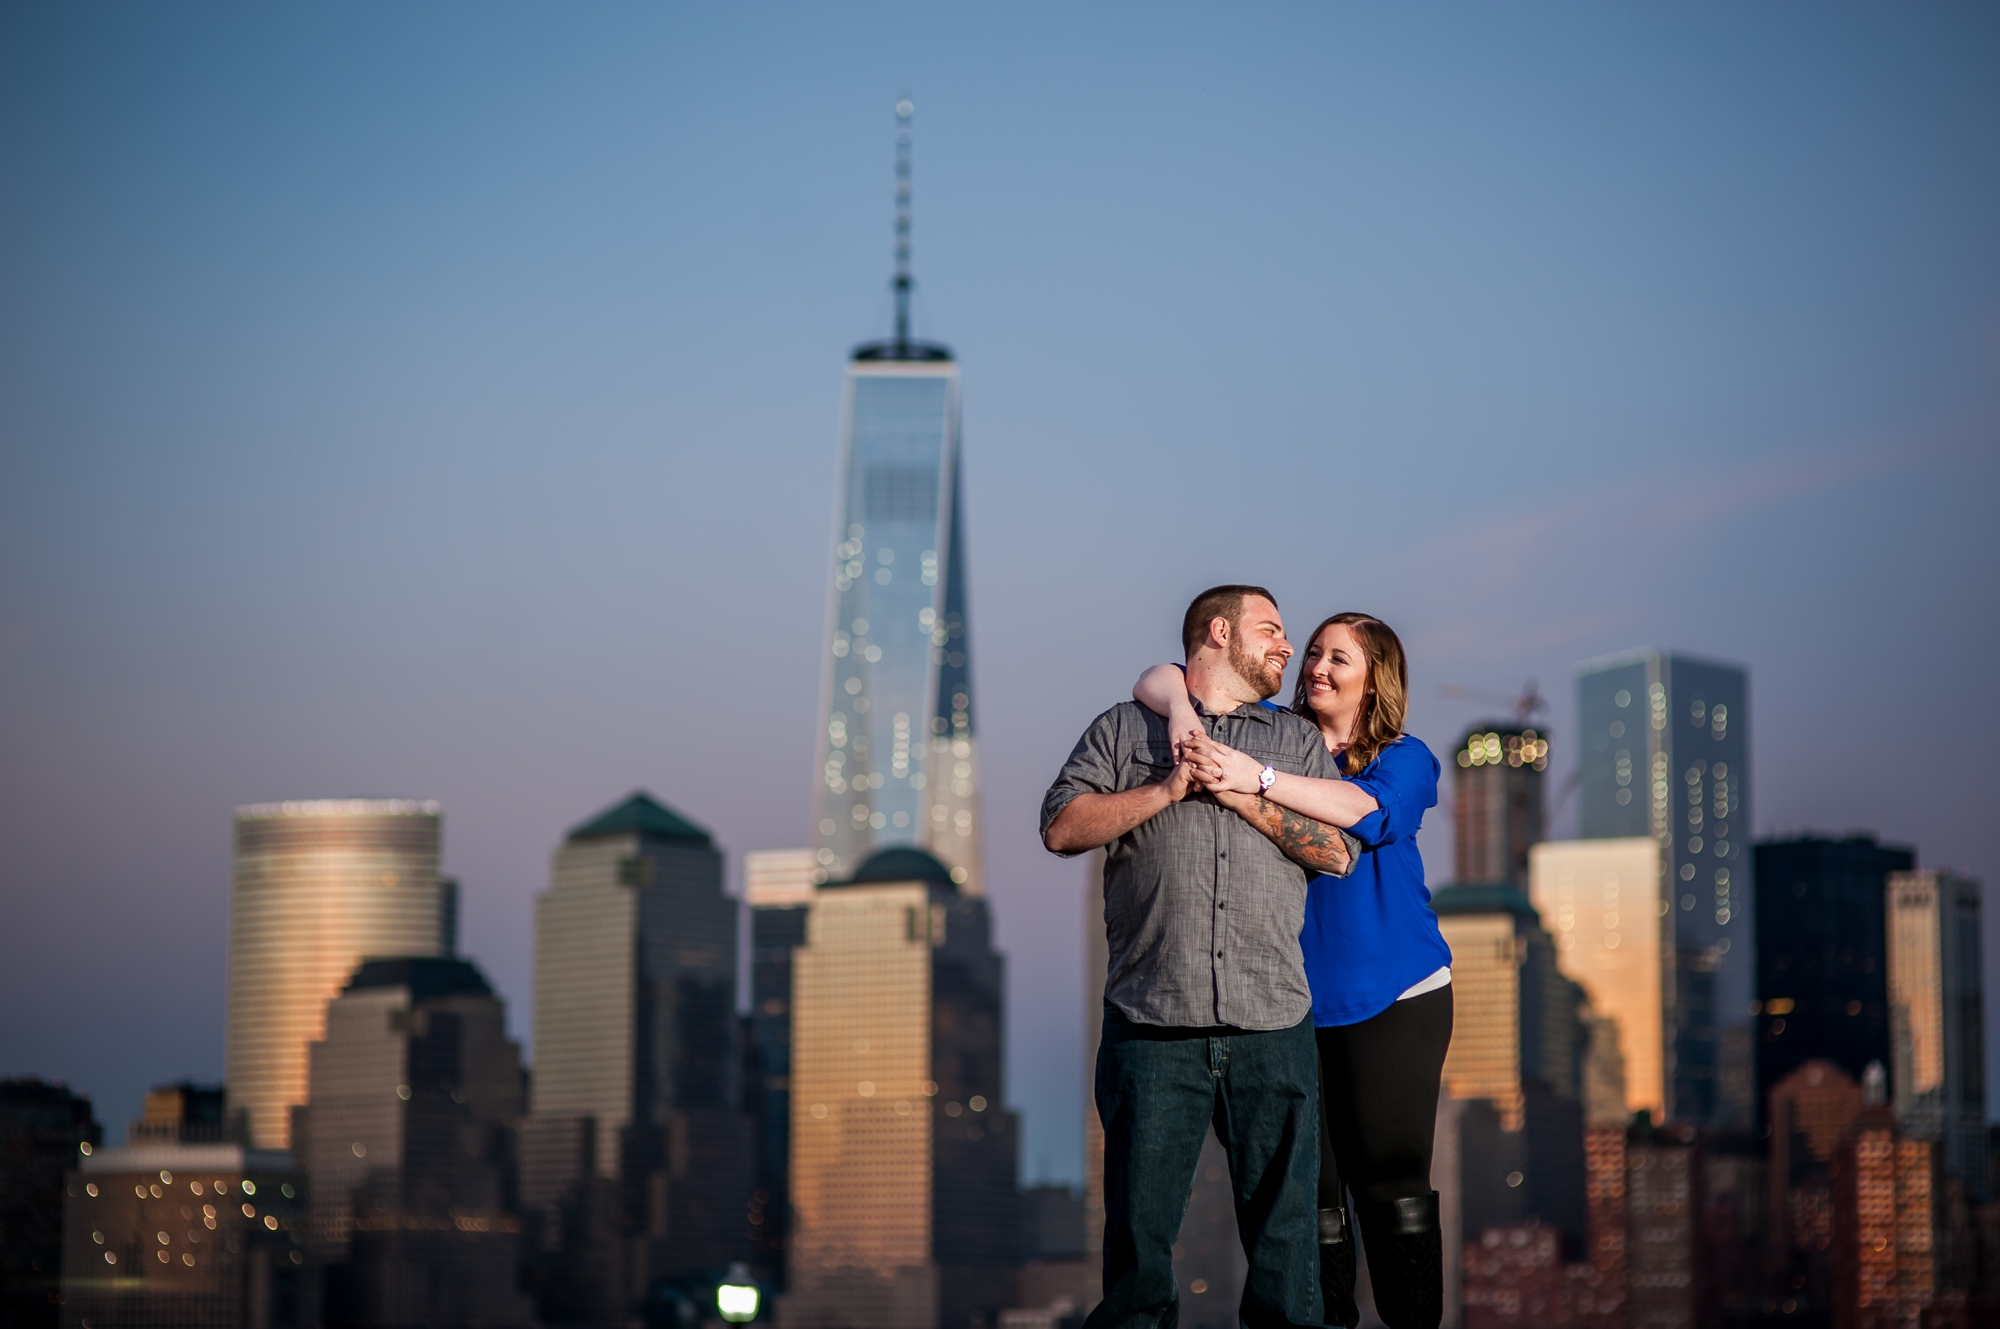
898,757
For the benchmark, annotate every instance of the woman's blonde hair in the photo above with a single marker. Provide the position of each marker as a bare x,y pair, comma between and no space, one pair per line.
1387,703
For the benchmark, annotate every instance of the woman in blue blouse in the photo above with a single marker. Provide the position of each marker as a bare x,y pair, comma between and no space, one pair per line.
1379,968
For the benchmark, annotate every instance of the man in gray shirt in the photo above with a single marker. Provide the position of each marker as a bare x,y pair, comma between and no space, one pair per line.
1207,1017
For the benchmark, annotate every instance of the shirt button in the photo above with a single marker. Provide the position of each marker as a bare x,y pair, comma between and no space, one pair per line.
1222,904
1218,955
1223,854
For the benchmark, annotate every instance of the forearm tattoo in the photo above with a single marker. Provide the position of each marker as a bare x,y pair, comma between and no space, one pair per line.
1313,845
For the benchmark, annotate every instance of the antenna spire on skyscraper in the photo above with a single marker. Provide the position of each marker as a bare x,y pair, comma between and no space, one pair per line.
904,109
901,346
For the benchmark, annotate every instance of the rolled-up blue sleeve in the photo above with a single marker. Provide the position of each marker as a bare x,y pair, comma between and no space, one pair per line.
1403,781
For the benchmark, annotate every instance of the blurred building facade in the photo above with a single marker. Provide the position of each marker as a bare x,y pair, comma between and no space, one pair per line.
1602,901
1936,991
1666,757
778,888
315,887
170,1234
902,1156
1822,955
407,1146
1498,803
184,1113
1519,1041
44,1129
637,1161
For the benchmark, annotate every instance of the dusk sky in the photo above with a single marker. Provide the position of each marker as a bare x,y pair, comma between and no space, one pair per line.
439,401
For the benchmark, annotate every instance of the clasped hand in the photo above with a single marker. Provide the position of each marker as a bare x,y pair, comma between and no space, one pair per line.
1218,768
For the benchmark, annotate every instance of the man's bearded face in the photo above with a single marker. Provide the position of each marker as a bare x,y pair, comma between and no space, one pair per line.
1264,674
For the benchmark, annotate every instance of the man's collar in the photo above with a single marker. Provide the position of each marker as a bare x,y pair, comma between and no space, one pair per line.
1249,710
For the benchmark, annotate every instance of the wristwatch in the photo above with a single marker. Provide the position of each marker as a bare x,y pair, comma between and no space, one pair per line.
1266,778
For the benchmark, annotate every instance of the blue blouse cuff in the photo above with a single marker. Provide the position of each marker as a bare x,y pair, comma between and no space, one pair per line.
1372,829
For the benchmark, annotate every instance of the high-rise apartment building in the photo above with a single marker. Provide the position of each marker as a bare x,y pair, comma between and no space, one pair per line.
1822,955
183,1113
1602,901
778,888
316,886
902,1156
1498,803
43,1127
1666,755
1809,1113
1664,1286
1937,1027
637,1162
165,1233
407,1145
1518,1041
898,756
1890,1261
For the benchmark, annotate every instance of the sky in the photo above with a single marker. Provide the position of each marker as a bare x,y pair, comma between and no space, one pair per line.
439,402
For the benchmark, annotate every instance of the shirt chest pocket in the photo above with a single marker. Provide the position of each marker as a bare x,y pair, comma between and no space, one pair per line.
1150,763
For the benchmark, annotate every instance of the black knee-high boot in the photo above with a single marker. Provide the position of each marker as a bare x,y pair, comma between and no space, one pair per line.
1336,1269
1405,1260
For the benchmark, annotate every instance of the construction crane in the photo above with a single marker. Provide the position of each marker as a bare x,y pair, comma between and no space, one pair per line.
1526,706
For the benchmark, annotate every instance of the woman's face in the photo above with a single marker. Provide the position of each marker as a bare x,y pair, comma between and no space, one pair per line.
1336,673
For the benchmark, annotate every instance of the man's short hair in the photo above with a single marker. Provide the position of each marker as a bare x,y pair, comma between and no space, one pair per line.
1224,602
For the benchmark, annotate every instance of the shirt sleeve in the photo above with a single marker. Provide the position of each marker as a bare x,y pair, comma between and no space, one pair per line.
1403,781
1092,768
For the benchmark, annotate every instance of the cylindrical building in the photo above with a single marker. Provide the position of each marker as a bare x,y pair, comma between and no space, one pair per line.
317,886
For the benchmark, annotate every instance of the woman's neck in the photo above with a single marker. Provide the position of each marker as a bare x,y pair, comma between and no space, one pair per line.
1338,732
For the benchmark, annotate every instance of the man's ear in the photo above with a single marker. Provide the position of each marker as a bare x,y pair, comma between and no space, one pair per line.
1218,633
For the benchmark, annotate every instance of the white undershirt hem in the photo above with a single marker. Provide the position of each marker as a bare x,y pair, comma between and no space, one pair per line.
1442,978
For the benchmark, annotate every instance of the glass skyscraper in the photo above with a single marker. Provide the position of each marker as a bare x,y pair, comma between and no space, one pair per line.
898,764
317,886
1666,756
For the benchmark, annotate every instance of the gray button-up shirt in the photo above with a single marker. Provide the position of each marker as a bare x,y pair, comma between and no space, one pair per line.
1202,912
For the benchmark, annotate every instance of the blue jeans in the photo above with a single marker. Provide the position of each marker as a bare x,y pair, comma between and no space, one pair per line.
1159,1090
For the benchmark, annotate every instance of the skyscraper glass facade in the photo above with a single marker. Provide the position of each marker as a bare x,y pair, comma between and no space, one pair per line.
317,885
1666,755
897,756
1937,1032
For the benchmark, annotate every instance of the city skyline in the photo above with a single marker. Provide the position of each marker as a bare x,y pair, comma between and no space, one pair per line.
451,442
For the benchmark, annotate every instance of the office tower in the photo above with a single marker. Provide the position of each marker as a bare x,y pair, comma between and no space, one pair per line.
1888,1194
42,1128
1937,1031
1518,1042
1498,803
182,1113
407,1146
165,1233
315,887
1666,756
1513,1275
1602,901
903,1159
1663,1205
638,1161
778,888
898,756
1809,1113
1822,962
1605,1248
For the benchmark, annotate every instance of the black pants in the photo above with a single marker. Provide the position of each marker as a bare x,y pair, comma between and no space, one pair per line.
1378,1100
